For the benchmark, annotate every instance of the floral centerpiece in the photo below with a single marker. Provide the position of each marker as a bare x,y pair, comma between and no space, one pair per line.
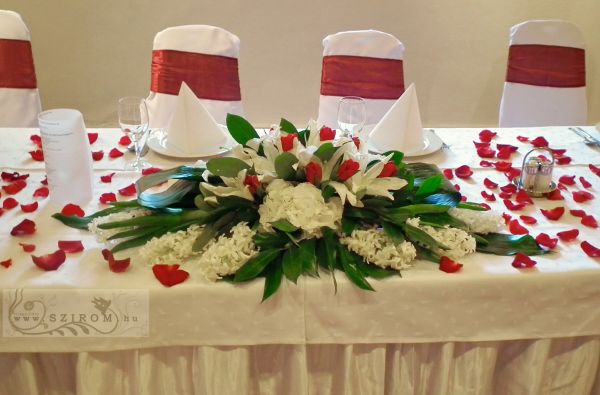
296,202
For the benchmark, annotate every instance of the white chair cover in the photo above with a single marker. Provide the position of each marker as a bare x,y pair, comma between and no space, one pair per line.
19,97
364,63
203,56
551,102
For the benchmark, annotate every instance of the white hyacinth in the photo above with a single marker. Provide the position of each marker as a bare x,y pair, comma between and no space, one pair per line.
302,205
102,235
172,247
459,242
478,221
377,248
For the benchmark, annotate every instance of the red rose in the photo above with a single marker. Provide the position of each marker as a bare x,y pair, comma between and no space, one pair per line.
326,134
314,173
287,141
252,183
389,170
347,169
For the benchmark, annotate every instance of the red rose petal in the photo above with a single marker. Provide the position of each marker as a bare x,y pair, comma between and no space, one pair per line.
37,155
14,187
590,250
558,151
511,188
169,275
449,266
92,137
479,144
513,148
505,195
512,173
129,190
486,163
151,170
504,153
7,263
457,187
23,228
516,228
356,141
555,195
578,213
463,171
503,166
115,153
72,209
568,235
486,135
27,247
486,152
528,220
582,196
594,169
539,142
585,183
107,178
485,206
567,180
29,208
589,221
124,140
563,160
507,218
553,214
14,176
70,246
513,206
97,155
108,197
490,197
41,192
36,139
44,181
523,139
50,261
448,174
522,261
523,197
9,203
489,183
562,187
115,265
462,198
544,240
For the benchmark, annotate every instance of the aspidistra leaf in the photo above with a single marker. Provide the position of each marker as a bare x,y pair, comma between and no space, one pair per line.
284,163
240,129
292,266
287,126
226,167
254,266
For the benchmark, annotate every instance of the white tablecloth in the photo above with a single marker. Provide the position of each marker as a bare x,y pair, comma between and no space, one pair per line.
427,332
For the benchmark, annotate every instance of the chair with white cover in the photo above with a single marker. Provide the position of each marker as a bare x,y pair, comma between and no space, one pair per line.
363,63
545,78
206,58
19,97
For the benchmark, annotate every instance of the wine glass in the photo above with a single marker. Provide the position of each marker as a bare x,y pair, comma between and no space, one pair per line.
352,115
133,119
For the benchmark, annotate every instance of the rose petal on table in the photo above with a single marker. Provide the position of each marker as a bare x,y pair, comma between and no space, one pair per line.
522,261
37,155
510,188
523,139
513,206
539,142
448,173
44,181
590,250
9,203
70,246
513,148
108,197
563,160
507,218
486,152
523,197
528,220
582,196
14,187
462,198
594,169
486,163
27,247
567,180
169,275
50,262
129,190
489,183
457,187
503,166
42,192
449,266
505,153
6,263
487,135
490,197
23,228
516,228
29,208
1,212
36,139
485,206
115,265
152,170
115,153
512,173
546,241
568,235
97,155
555,195
72,209
463,171
479,145
505,195
92,137
578,213
124,140
14,176
589,221
558,151
553,214
585,183
107,178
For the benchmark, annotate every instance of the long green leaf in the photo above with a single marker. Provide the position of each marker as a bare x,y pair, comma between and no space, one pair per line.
426,254
429,186
325,151
256,265
441,220
273,276
307,255
503,244
284,225
327,253
207,234
267,241
240,129
284,163
291,264
287,126
373,271
393,231
419,236
140,240
226,167
348,225
173,194
351,269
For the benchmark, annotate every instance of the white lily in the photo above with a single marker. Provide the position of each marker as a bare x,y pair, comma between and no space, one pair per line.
234,186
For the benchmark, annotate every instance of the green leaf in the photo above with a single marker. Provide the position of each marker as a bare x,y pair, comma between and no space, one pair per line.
303,136
327,253
255,265
442,199
416,209
348,225
397,157
76,222
284,225
427,255
376,202
270,240
240,129
284,165
471,206
325,151
419,236
226,167
351,269
327,192
429,186
394,232
292,267
287,126
273,276
207,234
503,244
234,202
442,219
307,255
359,213
140,240
373,271
422,171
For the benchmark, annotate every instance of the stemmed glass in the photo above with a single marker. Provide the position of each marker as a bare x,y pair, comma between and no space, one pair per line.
133,119
352,115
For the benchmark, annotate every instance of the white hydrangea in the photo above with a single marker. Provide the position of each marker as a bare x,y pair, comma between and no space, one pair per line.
102,235
302,205
226,254
460,242
172,247
377,248
478,221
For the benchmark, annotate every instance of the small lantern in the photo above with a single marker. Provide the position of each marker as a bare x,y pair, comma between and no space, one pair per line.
536,173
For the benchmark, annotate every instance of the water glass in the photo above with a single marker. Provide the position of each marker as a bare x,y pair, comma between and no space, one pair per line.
134,119
352,115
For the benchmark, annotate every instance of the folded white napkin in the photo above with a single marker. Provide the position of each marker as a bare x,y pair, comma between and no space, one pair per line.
193,131
400,128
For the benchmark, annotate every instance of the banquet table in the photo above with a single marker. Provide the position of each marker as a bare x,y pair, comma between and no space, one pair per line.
488,329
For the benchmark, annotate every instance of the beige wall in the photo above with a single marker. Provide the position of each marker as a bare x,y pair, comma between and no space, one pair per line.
89,53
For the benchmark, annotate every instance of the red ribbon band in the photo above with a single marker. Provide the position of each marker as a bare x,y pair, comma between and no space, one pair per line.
546,65
16,64
211,77
369,78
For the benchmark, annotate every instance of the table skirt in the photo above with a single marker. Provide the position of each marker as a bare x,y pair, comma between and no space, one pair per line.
546,366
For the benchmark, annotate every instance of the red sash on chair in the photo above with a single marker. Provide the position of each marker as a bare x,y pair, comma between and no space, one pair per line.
546,65
369,78
16,64
212,77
